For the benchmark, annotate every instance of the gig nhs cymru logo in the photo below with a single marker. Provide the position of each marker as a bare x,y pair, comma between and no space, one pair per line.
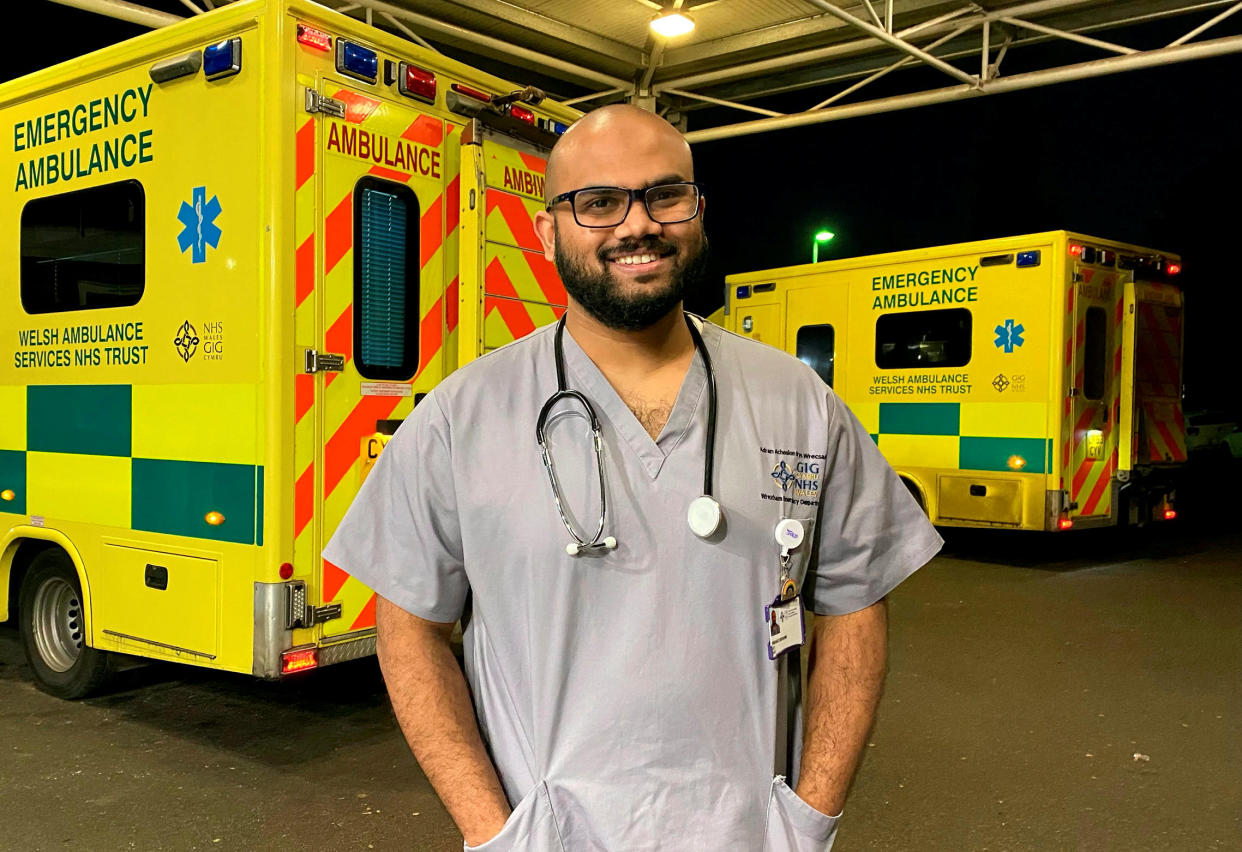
800,478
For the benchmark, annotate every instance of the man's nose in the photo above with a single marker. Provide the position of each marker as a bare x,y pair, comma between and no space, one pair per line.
637,222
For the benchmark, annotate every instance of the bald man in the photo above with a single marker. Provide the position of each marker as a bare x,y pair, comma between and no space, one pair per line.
630,641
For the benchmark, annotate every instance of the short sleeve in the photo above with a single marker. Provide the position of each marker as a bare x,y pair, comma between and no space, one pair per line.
871,534
401,535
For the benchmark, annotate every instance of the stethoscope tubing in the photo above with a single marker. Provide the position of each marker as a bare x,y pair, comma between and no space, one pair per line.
564,392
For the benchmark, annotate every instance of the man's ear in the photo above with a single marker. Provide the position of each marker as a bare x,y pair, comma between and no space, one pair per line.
545,227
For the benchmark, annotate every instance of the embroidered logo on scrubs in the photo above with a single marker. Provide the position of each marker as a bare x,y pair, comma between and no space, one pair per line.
798,477
782,474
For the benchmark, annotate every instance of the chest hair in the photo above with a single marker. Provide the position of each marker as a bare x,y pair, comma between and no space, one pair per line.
652,414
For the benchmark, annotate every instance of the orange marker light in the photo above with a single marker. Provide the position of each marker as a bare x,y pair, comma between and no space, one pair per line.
299,661
214,518
1016,462
7,494
312,37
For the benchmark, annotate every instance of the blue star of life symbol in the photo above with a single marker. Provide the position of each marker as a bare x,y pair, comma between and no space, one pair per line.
782,474
1009,335
199,219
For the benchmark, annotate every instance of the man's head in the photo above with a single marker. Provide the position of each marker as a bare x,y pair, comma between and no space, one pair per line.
632,274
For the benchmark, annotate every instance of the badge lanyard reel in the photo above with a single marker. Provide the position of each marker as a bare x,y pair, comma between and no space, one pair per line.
786,625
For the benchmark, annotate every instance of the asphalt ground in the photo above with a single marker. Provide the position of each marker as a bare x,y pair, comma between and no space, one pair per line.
1069,692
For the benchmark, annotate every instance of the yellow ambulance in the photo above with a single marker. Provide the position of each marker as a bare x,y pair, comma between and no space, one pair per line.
1030,382
237,252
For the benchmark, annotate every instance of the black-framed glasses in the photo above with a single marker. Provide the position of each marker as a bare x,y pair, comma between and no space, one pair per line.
607,206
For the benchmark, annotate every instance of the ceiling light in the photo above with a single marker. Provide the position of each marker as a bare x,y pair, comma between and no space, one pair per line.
671,24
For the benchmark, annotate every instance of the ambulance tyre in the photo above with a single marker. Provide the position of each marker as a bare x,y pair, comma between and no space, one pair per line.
53,628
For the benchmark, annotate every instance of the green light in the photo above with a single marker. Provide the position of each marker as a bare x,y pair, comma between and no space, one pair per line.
824,236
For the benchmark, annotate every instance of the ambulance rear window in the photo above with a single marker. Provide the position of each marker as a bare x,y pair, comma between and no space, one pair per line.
84,250
386,256
816,347
923,339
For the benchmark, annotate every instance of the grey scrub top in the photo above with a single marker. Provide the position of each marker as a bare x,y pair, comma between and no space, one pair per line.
626,696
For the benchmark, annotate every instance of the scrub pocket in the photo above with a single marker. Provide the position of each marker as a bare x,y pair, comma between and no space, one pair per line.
795,826
530,828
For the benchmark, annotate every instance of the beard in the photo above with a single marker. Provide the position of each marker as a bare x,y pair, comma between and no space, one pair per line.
600,294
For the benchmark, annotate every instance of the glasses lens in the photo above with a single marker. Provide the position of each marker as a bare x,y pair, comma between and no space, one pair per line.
596,208
673,202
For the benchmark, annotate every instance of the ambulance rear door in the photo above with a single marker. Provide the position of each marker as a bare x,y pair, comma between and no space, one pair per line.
379,303
507,289
1094,307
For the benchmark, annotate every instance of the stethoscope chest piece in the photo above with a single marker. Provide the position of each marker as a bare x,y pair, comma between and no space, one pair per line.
704,516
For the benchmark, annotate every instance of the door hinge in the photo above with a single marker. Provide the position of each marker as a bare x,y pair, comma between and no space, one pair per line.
323,362
300,614
1073,392
316,102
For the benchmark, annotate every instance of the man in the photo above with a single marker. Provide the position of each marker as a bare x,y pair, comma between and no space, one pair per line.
625,697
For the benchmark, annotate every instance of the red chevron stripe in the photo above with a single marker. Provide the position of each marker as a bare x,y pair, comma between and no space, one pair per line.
339,339
451,306
341,451
1097,493
338,232
547,278
303,395
513,211
358,108
513,313
425,130
389,174
303,500
430,334
333,579
452,202
429,231
304,156
536,164
366,618
304,270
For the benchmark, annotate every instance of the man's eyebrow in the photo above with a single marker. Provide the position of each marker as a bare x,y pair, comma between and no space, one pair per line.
669,178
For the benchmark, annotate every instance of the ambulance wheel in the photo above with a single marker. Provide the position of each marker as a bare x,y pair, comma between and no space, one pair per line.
53,627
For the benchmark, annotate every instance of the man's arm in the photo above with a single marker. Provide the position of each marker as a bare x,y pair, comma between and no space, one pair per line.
432,703
844,681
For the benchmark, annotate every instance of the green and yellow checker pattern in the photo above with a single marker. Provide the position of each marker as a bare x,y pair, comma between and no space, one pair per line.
960,435
153,458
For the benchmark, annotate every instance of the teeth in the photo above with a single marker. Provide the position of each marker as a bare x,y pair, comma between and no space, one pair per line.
631,259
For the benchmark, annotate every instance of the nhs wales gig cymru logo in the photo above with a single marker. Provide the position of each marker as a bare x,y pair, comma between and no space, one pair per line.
798,479
198,219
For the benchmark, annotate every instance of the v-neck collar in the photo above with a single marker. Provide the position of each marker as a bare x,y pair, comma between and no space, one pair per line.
585,376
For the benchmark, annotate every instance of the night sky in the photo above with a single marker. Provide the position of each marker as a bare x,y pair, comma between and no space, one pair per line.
1149,157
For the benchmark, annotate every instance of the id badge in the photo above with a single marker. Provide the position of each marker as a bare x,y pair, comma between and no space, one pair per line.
786,626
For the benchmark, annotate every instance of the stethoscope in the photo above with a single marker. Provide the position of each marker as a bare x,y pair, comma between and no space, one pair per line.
704,514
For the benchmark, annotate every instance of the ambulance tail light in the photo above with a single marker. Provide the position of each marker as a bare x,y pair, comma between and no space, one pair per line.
417,83
286,571
1064,522
1075,249
1169,514
1173,268
312,37
522,114
299,660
